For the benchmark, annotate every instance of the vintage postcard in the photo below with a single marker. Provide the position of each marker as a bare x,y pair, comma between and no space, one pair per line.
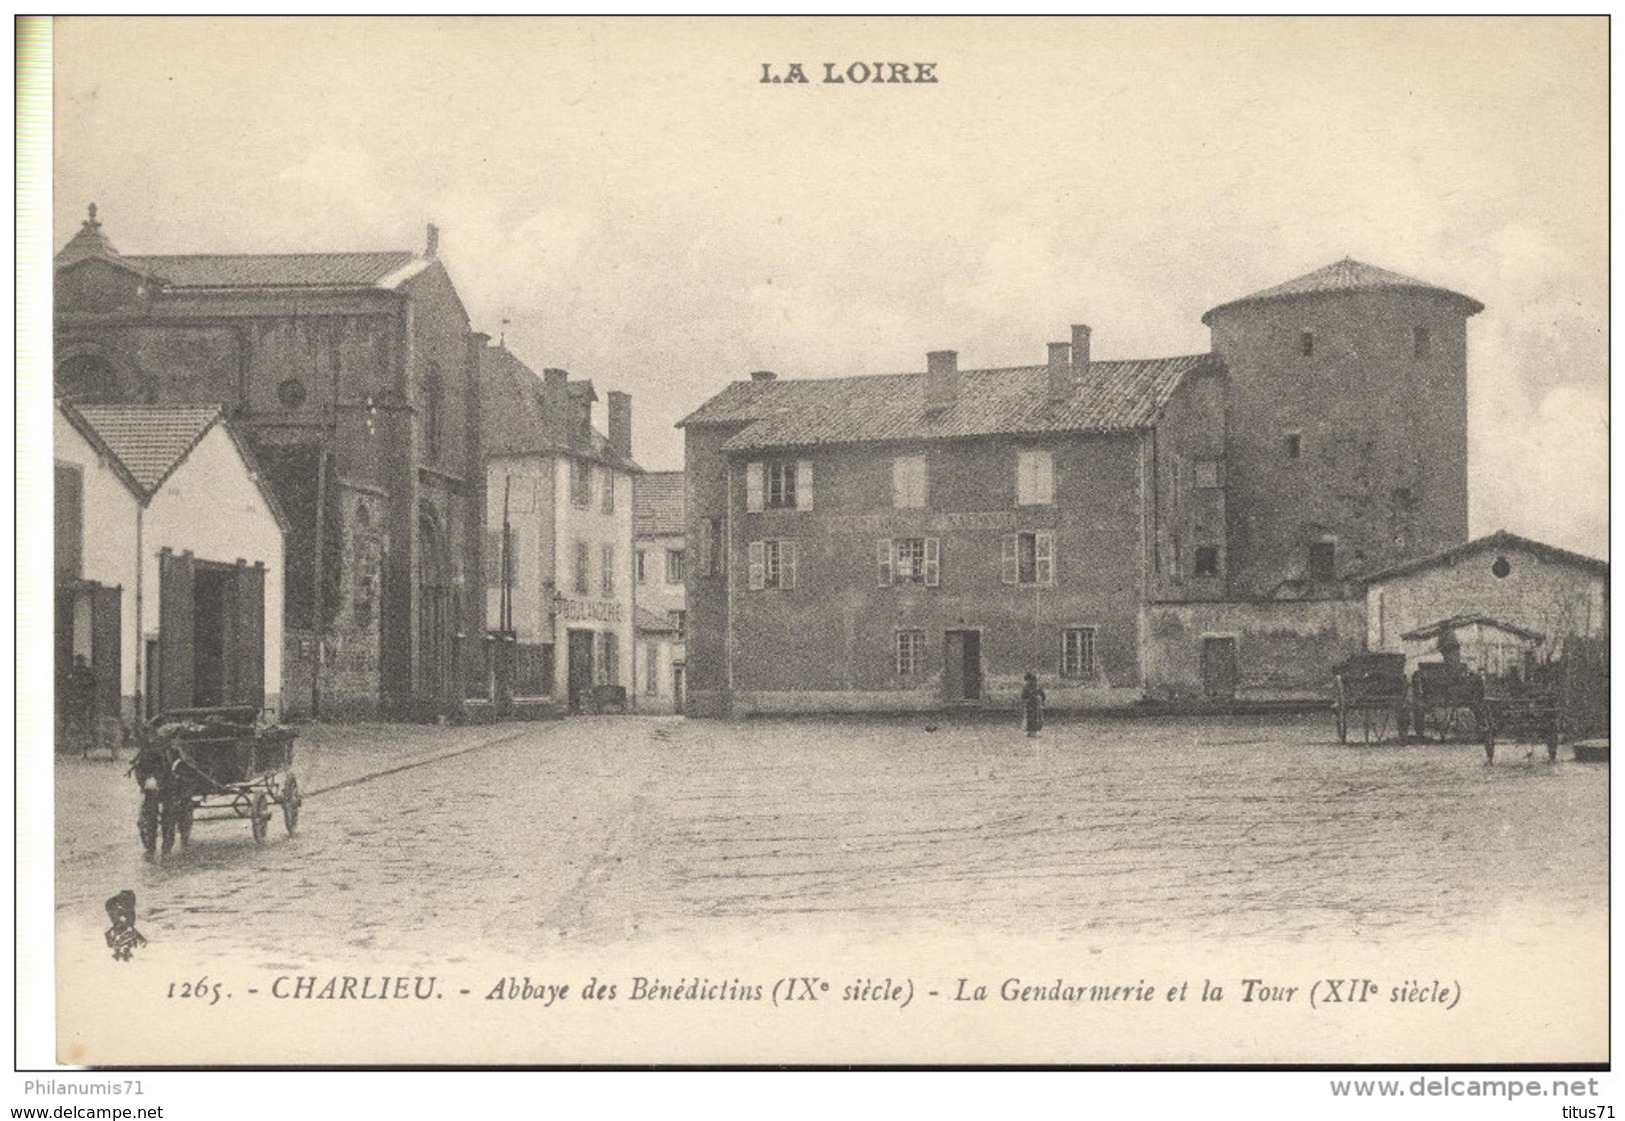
921,541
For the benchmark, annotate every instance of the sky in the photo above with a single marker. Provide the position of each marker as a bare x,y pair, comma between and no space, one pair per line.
628,200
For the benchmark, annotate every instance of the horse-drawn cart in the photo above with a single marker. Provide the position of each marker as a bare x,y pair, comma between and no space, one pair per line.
1371,689
213,764
1515,709
1448,702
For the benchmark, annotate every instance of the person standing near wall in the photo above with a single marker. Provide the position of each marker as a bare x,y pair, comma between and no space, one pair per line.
1032,704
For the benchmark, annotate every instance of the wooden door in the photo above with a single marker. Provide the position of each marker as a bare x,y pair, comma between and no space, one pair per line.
106,649
953,665
972,670
1219,667
175,579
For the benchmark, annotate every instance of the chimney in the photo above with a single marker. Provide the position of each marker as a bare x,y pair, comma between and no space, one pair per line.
1080,350
762,375
556,405
1060,370
620,422
481,339
431,246
941,379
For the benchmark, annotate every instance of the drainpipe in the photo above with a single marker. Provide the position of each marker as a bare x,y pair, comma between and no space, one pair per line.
140,623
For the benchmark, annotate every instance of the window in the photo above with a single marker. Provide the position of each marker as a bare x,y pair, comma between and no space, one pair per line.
1323,561
711,547
291,392
908,482
679,622
608,478
1294,445
909,560
1209,474
1029,558
1306,343
910,653
651,669
583,584
607,558
1035,479
580,483
639,573
674,566
1207,560
1078,652
772,565
779,486
1421,344
433,415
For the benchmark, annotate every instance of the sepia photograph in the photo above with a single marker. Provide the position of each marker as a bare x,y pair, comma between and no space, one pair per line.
819,542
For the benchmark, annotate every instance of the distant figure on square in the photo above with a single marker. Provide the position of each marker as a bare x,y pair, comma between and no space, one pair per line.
1032,704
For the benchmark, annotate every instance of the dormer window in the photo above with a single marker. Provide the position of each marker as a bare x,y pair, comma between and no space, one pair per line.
1421,343
1306,343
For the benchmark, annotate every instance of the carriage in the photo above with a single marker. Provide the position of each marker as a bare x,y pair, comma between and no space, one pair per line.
1371,691
1531,709
1447,702
214,764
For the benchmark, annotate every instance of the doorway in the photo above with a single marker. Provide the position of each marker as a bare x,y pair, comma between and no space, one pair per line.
962,666
1219,667
579,667
209,646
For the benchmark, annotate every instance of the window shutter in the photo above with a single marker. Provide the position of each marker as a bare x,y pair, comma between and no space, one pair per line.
753,488
883,560
1024,474
1044,558
787,564
804,484
1010,569
758,566
933,562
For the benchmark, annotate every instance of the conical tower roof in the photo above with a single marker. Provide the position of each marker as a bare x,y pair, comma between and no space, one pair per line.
1347,275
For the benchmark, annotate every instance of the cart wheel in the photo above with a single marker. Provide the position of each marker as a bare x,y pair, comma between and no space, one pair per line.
1341,707
259,816
291,800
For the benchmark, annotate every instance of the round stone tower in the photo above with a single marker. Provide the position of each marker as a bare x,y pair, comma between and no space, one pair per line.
1346,428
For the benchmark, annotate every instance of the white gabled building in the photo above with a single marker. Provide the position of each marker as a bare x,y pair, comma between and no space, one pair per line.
169,560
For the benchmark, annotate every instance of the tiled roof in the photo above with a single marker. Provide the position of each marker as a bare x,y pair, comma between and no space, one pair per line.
1110,397
657,504
1347,275
1499,540
514,420
149,440
274,270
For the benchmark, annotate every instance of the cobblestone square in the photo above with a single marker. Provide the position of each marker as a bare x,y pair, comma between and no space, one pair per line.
616,831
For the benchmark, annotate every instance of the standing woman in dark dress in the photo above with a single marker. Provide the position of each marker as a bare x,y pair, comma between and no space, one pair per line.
1032,704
